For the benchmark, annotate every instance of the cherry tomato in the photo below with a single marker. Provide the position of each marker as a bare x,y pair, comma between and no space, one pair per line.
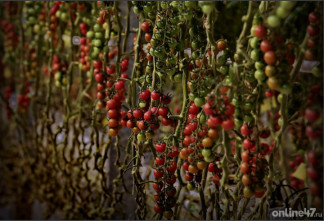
260,31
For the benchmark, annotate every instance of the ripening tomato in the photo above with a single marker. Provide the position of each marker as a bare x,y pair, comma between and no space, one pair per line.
246,180
193,169
221,45
202,165
248,192
207,142
212,133
245,168
270,57
245,156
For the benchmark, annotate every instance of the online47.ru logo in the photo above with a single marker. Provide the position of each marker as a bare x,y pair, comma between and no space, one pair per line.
311,212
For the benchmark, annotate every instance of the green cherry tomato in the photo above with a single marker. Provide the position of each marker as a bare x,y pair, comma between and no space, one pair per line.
287,4
206,152
90,34
273,21
170,71
223,70
209,159
248,106
254,42
255,54
195,54
202,118
177,77
141,137
238,122
259,65
282,13
286,89
199,101
192,96
236,102
317,71
221,60
237,112
172,43
259,75
248,118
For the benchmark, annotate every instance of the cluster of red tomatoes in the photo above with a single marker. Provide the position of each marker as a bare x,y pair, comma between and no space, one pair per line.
11,39
165,178
314,173
295,182
8,93
145,120
313,30
24,98
53,22
85,52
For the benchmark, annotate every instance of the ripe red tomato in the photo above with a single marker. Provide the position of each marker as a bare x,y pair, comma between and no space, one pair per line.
313,17
213,122
185,165
148,115
163,111
158,186
171,179
112,104
155,95
130,124
145,95
111,69
312,133
120,85
311,115
216,179
160,147
228,124
265,46
160,161
312,30
312,173
193,109
208,109
145,26
174,152
188,176
313,157
245,131
172,166
260,31
137,113
158,173
158,209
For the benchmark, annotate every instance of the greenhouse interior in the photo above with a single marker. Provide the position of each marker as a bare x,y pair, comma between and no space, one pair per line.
161,110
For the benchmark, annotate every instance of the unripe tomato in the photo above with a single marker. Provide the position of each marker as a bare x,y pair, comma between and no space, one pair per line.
248,192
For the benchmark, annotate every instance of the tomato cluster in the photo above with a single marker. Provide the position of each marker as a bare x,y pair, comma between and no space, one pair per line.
165,179
295,182
23,100
313,30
